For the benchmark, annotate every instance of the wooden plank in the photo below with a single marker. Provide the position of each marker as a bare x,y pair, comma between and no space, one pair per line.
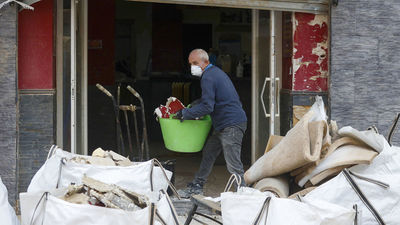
320,6
212,206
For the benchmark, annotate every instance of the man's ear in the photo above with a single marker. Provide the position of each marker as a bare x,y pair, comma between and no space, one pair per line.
205,64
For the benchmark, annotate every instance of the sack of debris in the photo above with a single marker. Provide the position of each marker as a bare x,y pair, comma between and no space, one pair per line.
374,190
249,206
95,202
63,168
7,213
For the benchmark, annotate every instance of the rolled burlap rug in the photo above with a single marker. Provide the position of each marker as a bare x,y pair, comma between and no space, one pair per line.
296,149
277,185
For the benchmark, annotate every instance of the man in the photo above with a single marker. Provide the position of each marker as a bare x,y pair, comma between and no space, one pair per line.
219,99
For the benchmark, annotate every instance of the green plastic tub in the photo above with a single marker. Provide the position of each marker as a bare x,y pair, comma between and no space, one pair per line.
187,136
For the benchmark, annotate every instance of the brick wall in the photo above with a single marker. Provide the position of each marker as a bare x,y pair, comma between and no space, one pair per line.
365,66
8,91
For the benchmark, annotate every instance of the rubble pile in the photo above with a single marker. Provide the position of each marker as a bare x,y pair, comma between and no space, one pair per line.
98,193
103,158
105,188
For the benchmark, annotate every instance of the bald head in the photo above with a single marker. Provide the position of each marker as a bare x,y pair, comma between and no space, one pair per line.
199,57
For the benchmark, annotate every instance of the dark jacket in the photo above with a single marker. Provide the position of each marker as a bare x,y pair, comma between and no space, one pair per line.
219,99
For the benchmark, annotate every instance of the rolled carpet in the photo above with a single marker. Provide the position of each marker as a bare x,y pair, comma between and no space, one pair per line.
298,148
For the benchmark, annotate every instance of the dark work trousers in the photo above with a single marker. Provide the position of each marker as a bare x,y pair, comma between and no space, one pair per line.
228,140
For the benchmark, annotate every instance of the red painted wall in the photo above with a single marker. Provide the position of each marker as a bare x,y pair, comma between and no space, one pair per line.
310,47
35,47
101,26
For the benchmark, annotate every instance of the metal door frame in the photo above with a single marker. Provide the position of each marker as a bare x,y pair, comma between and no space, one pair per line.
273,112
83,24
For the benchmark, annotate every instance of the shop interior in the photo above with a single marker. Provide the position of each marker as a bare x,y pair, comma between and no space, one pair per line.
146,46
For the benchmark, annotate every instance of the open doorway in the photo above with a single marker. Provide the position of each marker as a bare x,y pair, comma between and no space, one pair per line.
146,45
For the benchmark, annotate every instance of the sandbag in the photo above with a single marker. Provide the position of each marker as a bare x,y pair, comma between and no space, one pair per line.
277,185
41,208
385,168
247,207
344,155
7,213
58,172
292,152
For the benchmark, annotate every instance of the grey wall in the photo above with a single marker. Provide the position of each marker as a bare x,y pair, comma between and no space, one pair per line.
36,133
365,66
8,109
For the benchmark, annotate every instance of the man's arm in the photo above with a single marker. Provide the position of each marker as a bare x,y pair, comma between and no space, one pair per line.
207,101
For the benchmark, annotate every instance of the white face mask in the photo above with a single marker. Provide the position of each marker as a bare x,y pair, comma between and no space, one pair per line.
196,70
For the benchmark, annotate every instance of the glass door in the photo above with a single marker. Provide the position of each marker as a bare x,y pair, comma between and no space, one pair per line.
260,74
265,80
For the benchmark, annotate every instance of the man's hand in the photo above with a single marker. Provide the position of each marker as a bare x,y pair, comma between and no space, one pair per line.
179,116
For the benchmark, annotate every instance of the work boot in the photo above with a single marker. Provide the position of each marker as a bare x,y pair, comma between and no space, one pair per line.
191,189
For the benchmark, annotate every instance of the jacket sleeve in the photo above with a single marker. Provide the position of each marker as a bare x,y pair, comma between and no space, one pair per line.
207,101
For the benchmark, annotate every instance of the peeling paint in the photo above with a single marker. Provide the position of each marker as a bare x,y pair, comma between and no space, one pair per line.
323,75
319,19
297,64
321,51
310,58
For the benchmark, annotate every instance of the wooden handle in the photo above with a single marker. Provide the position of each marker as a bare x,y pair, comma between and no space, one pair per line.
127,107
105,91
133,91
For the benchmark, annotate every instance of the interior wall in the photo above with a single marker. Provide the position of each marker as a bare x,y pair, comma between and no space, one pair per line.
212,15
141,14
156,89
101,26
101,69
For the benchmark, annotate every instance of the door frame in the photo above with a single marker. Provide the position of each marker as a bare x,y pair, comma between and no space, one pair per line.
82,14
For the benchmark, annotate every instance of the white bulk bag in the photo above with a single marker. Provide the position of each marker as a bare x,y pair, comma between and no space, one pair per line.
247,207
58,172
46,209
385,169
7,213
